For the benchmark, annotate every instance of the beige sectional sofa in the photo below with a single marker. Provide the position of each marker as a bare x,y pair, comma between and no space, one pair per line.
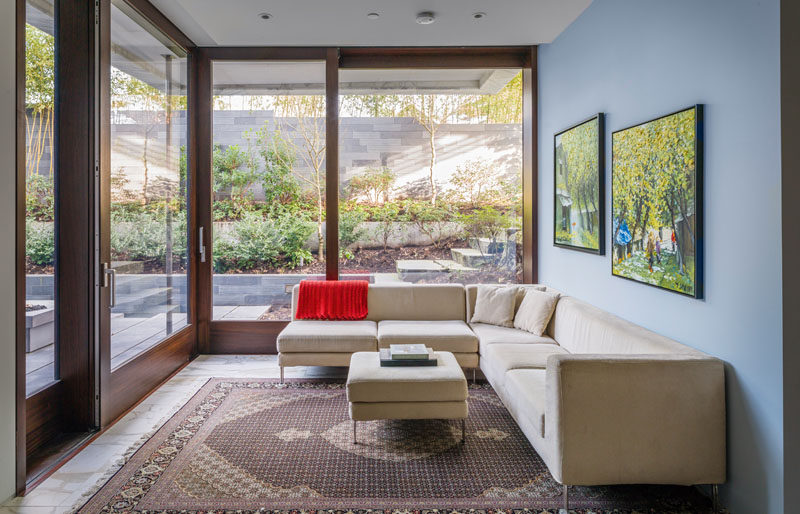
602,400
605,401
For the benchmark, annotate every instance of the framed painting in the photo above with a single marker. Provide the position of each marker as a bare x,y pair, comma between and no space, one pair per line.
579,186
657,202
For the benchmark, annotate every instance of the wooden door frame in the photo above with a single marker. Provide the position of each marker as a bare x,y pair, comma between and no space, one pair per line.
259,337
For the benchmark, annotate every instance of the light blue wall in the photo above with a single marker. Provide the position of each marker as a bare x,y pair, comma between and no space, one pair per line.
635,60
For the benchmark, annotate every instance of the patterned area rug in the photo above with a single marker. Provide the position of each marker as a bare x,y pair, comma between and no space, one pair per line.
258,446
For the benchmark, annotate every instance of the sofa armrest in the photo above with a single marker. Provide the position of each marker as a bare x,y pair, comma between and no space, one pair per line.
617,419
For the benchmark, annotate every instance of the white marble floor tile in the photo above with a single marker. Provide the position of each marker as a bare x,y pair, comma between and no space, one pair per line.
67,486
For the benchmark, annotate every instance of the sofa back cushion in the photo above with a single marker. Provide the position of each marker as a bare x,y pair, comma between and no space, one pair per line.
423,302
583,328
472,295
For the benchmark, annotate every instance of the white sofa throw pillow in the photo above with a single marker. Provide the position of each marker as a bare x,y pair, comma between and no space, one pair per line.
495,305
535,311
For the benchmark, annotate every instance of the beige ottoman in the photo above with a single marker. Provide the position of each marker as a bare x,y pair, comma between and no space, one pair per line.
413,392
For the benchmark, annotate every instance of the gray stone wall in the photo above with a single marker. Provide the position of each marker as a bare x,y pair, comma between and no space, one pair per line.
400,144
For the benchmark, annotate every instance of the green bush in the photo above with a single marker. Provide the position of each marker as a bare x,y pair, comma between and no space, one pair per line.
142,236
350,229
39,199
431,220
374,184
254,241
39,242
279,158
294,228
387,216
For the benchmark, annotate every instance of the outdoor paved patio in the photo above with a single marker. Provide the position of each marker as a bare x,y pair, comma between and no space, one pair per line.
129,337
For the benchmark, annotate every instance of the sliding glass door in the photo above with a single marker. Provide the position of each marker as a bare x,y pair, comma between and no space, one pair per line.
144,209
148,208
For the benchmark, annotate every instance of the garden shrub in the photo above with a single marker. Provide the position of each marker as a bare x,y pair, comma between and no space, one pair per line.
255,241
350,229
39,242
431,220
294,229
142,236
39,199
387,215
278,179
374,184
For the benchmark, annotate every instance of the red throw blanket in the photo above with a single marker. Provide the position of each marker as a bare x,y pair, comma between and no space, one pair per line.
332,299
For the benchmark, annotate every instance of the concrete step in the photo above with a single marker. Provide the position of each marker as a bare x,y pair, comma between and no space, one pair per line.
487,245
143,300
470,257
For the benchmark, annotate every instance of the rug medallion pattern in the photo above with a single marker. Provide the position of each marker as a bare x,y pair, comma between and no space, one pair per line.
259,446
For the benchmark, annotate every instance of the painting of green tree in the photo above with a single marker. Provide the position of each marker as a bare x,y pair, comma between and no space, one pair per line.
579,179
655,205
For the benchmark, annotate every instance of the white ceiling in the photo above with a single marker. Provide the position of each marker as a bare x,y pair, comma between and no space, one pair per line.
344,22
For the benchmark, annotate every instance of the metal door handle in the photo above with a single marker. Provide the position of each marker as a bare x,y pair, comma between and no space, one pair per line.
201,244
111,281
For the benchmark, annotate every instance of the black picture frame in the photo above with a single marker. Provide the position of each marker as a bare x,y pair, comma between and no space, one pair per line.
560,217
697,204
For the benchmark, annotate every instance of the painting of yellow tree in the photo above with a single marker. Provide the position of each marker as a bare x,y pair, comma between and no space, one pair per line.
657,202
579,180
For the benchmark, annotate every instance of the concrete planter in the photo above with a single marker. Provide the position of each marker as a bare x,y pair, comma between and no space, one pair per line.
39,329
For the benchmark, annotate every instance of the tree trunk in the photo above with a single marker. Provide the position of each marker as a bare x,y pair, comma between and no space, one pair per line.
320,215
144,161
434,194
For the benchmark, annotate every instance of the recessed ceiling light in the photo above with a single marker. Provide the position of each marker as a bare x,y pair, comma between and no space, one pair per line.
479,15
373,16
265,16
426,18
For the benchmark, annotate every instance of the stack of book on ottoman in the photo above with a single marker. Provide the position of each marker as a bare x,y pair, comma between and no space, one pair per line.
407,355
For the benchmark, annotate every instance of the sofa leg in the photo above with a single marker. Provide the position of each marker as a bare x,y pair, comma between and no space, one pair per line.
463,431
474,380
715,497
566,498
354,432
281,374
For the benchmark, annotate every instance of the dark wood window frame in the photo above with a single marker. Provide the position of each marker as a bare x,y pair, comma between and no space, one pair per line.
259,337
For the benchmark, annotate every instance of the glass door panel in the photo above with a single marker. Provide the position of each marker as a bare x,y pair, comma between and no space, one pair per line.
41,362
148,208
268,181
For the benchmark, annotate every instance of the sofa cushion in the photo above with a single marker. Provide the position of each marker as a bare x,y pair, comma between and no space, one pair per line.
526,395
583,328
328,336
446,336
495,305
535,311
471,293
491,334
503,357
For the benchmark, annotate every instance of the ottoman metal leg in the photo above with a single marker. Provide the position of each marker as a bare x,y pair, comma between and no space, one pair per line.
463,431
354,432
281,374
